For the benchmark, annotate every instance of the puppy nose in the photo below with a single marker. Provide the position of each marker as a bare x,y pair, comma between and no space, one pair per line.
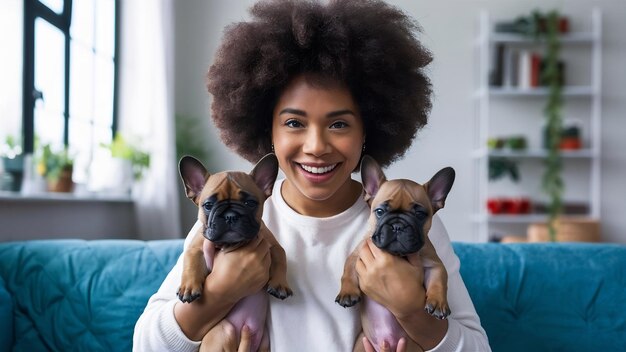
398,227
231,217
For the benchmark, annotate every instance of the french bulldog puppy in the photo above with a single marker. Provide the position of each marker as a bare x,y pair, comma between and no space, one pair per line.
230,206
401,216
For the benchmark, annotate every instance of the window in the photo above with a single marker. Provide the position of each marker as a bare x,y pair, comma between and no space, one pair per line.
69,88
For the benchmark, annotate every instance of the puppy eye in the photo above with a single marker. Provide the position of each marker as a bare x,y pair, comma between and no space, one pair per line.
420,214
250,203
379,212
207,206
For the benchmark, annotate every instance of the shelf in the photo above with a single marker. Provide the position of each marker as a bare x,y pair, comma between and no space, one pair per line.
500,48
51,197
520,219
570,38
533,154
571,91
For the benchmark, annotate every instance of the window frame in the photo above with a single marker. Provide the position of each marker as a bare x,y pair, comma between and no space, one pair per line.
34,9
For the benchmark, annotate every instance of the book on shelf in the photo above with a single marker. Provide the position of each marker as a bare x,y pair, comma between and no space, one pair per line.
519,69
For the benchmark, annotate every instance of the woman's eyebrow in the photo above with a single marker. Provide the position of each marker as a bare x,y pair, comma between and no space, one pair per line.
329,115
340,112
292,111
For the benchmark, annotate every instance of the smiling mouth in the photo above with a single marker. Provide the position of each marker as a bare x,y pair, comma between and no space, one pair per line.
318,170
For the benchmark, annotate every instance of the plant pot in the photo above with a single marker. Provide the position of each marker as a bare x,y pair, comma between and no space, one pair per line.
63,184
567,230
13,167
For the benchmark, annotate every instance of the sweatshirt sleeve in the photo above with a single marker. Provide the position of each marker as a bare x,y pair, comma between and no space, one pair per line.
157,328
464,330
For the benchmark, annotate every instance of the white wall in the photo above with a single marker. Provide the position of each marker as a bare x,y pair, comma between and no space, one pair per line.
449,31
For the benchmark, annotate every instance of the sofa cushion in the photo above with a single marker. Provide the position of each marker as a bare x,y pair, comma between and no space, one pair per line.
86,295
548,296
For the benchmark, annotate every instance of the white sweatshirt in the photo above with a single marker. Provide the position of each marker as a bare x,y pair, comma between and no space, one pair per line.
310,320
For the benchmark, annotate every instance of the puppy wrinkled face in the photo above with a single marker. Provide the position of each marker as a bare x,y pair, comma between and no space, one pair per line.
230,204
400,232
232,211
401,222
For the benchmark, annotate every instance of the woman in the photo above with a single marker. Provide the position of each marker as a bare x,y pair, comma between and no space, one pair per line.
319,85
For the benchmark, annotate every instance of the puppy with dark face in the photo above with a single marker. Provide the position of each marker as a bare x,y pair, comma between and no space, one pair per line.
400,219
230,207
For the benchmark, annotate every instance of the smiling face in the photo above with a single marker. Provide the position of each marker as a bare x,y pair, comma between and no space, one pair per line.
318,136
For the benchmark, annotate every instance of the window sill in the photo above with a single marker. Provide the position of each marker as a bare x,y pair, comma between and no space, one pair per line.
66,215
7,196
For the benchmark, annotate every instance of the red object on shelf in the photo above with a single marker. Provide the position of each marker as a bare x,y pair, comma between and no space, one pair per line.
563,25
535,70
494,205
508,205
570,143
519,205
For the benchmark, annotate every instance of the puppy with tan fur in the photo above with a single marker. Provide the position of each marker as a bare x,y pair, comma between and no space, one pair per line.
400,219
230,206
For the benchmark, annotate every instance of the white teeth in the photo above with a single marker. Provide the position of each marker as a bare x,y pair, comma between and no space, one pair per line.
318,170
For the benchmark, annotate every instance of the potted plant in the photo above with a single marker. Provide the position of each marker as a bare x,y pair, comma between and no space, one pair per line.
128,161
57,168
13,163
548,27
552,181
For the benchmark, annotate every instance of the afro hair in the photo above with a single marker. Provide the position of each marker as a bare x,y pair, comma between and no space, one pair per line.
368,44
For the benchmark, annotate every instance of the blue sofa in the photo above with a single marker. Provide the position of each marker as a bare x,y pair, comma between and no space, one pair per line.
64,295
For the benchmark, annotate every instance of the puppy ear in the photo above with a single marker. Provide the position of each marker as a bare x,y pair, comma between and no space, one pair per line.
265,173
194,176
439,186
372,176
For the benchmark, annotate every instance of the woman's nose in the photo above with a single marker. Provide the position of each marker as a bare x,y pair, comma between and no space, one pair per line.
316,143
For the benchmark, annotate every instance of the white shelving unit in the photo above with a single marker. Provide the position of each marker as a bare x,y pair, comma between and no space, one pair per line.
486,96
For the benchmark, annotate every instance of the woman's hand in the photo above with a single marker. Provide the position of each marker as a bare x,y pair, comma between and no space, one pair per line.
240,273
391,280
363,345
223,338
397,284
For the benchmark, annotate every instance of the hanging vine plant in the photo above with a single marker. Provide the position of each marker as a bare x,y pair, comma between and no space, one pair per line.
552,181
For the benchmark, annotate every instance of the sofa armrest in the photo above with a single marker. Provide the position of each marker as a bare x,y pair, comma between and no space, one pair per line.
6,318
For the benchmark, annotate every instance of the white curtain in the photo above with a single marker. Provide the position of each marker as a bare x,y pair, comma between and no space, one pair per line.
146,110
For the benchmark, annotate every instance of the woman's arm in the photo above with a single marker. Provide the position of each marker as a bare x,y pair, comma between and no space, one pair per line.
400,290
168,324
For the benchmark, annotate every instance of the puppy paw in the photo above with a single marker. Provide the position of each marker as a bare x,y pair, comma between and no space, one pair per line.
348,299
437,308
190,288
188,295
279,291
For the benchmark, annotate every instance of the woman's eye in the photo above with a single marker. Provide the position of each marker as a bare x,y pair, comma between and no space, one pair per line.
293,123
339,124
